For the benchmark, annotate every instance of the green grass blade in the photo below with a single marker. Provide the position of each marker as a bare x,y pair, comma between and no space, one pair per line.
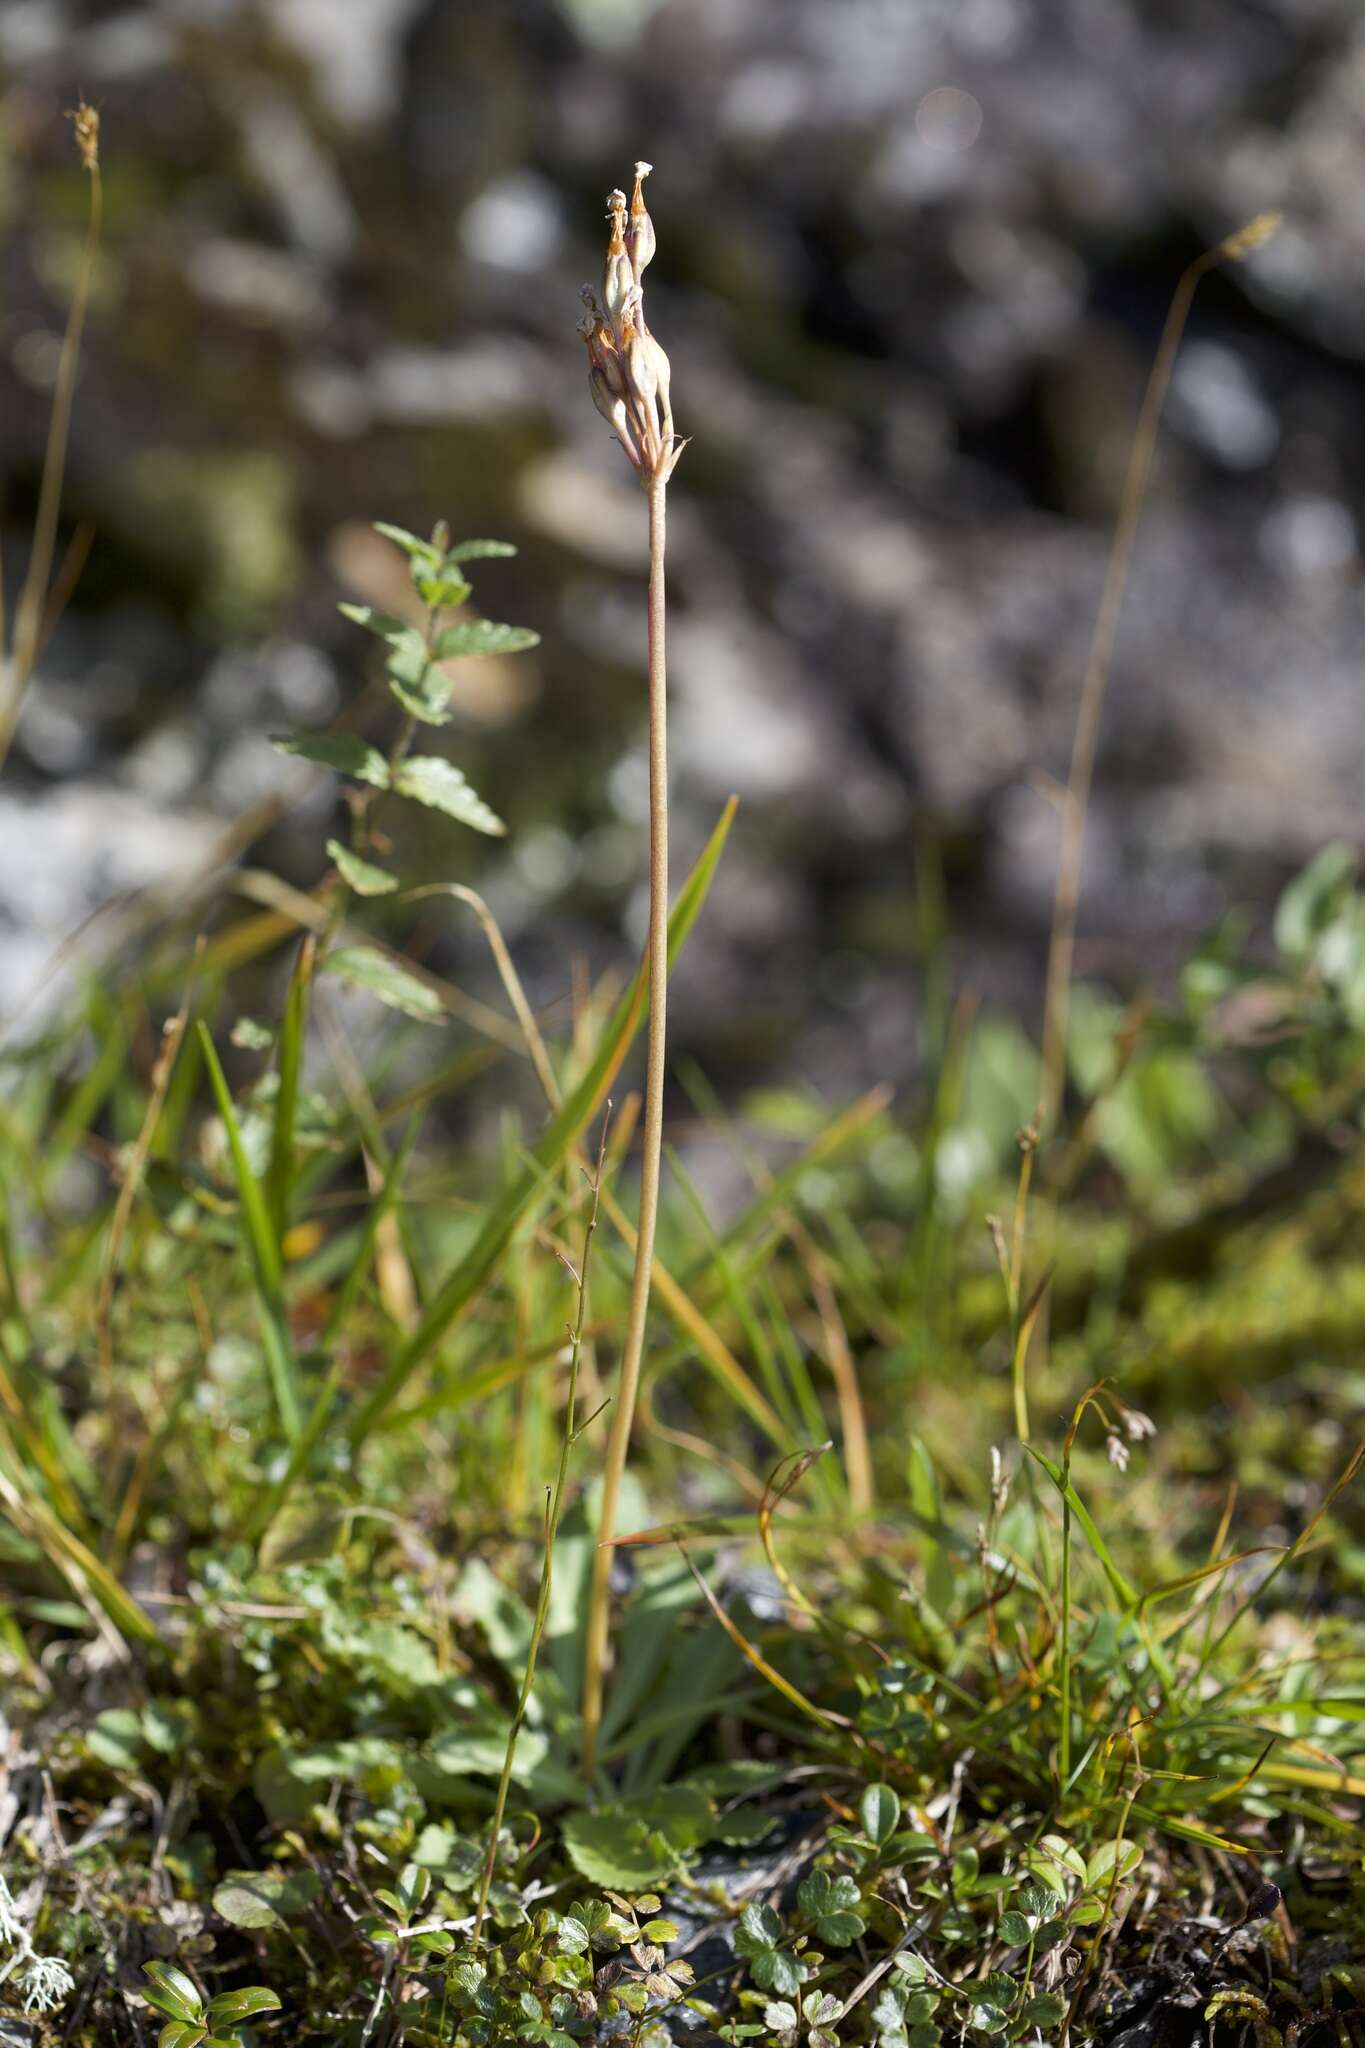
69,1556
473,1269
1123,1590
267,1264
293,1030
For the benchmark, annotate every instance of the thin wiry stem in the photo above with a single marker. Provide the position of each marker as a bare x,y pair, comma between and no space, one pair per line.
1086,740
552,1514
652,1144
28,620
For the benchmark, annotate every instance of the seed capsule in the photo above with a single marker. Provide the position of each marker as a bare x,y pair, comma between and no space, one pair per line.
640,239
618,276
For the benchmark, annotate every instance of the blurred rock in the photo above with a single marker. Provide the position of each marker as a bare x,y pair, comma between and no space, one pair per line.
914,262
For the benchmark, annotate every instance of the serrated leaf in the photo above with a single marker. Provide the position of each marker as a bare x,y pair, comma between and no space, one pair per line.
839,1930
483,636
637,1841
1014,1929
431,780
361,875
233,2007
759,1928
427,703
415,549
775,1970
385,624
409,661
339,750
987,2020
365,967
479,550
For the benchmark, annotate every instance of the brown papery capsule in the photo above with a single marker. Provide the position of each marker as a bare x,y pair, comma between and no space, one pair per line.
640,238
618,277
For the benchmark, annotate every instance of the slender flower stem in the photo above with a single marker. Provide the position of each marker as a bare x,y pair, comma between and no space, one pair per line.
623,1414
16,671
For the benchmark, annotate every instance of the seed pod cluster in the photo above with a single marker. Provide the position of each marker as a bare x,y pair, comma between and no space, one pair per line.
628,372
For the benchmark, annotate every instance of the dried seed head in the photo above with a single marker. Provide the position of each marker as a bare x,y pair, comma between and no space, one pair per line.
85,121
640,232
628,372
618,274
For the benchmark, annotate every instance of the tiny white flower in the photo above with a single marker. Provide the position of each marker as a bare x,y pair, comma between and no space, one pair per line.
1000,1483
1137,1424
1118,1451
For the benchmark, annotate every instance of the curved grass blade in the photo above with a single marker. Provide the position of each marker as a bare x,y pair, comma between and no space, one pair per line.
266,1262
474,1268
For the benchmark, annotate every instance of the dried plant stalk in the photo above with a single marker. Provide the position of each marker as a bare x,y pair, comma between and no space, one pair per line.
629,377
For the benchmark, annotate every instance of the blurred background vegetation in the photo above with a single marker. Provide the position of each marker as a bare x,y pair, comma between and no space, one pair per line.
914,257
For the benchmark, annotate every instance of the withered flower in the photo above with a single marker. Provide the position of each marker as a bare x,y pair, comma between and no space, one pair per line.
628,372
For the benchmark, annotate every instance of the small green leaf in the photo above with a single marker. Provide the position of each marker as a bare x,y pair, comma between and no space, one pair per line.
1313,900
775,1970
1127,1855
255,1899
442,591
840,1930
483,636
988,2019
165,1729
177,2034
233,2007
427,699
637,1841
759,1928
880,1812
365,967
1014,1929
438,783
416,550
171,1992
384,624
1062,1852
361,875
117,1739
339,750
479,550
